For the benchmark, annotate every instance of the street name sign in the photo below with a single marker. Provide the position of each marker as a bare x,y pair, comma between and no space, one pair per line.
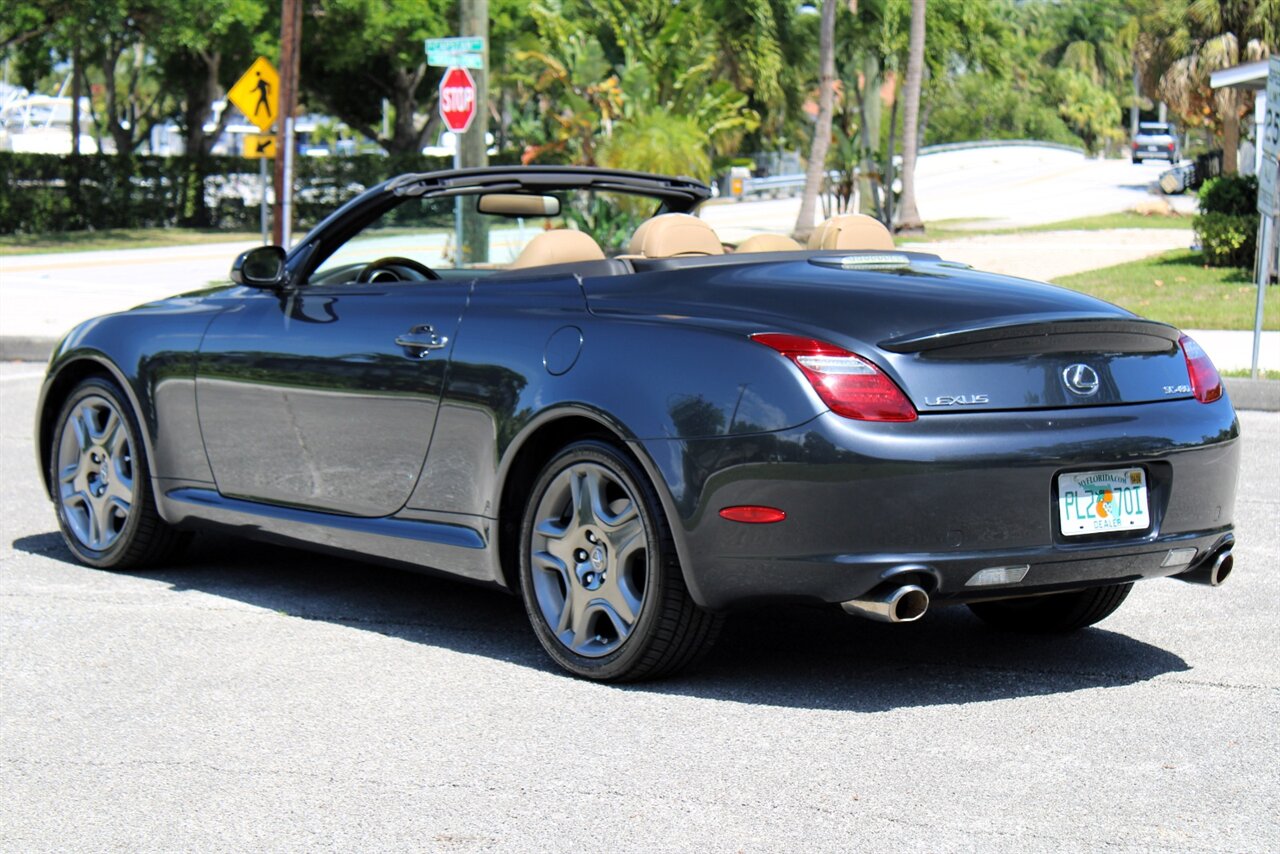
465,52
257,93
457,99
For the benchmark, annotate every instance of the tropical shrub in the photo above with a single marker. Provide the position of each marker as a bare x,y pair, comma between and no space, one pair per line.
1227,225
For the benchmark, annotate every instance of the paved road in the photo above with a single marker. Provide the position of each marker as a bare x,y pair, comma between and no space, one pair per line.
257,698
1009,187
45,295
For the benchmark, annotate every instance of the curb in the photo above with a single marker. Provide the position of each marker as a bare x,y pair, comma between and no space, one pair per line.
1244,393
1253,394
22,348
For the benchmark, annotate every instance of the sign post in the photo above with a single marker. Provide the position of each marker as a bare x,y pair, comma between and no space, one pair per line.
261,147
457,111
257,95
459,102
1268,202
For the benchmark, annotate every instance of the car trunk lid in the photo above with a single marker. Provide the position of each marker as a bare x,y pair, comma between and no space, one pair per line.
1017,364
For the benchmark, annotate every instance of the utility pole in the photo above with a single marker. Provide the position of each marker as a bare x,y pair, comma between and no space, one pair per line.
290,37
472,145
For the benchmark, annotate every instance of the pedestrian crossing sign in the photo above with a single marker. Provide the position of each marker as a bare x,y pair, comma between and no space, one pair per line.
257,93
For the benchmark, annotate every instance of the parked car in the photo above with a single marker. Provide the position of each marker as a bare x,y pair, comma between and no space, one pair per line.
1156,141
637,440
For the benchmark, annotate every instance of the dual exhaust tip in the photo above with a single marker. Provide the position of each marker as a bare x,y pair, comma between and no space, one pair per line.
907,603
904,604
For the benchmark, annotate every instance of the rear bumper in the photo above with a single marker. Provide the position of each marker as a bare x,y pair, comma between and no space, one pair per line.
943,497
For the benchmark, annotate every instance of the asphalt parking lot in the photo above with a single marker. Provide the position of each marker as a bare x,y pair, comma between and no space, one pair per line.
258,698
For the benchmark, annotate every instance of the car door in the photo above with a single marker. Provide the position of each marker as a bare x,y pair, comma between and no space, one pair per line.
326,397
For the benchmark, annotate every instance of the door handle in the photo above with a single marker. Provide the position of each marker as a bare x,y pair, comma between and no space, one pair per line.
422,340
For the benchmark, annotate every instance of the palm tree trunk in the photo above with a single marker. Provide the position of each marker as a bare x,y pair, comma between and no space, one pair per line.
1230,136
822,128
909,216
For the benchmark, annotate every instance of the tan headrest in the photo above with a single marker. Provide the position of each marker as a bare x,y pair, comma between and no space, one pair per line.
851,231
563,246
767,243
675,235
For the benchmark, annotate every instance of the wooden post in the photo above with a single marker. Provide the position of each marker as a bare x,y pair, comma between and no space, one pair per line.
290,36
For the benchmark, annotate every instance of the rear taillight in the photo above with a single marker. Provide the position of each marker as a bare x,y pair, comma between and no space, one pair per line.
846,382
1206,385
1134,145
1170,146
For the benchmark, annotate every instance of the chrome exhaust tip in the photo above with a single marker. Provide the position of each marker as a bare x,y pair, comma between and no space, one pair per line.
1213,571
903,604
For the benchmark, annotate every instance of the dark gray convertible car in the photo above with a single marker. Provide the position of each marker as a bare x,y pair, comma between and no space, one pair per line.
559,382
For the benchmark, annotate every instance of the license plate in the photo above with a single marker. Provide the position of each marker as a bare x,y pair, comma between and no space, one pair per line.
1097,502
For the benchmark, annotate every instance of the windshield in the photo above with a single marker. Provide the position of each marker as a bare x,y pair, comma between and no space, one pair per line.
430,231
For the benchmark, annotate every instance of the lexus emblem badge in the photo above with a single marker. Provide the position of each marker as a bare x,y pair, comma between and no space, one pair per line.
1080,379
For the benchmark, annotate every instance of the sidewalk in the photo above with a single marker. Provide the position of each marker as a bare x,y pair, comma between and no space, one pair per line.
1047,255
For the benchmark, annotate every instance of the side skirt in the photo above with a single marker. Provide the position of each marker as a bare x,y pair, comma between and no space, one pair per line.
462,546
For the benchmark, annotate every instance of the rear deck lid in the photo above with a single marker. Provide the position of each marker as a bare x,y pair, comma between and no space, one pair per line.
1040,363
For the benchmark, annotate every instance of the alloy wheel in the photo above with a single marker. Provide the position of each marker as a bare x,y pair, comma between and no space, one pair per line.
95,473
589,559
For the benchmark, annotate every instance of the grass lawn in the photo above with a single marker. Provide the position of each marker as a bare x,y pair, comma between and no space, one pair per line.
947,229
117,238
1177,288
1263,374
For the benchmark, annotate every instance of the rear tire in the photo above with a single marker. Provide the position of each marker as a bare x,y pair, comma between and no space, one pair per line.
102,482
599,574
1054,613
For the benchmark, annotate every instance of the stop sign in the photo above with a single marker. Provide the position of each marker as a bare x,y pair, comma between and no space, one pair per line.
457,99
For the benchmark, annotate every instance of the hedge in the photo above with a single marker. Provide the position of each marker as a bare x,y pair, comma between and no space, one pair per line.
44,193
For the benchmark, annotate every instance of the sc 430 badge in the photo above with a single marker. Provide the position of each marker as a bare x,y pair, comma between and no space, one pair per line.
957,400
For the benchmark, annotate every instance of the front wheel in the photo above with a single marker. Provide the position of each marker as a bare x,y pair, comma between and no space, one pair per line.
101,482
599,573
1055,612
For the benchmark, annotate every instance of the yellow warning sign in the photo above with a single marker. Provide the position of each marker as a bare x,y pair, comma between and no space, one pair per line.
258,145
257,93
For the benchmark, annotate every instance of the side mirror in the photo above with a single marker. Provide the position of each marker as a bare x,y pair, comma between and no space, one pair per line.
260,267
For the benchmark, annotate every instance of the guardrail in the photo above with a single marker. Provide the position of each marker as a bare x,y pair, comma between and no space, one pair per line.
779,184
998,143
793,183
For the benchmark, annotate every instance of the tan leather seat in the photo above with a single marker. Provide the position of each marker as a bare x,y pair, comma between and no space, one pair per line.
674,235
851,231
767,243
562,246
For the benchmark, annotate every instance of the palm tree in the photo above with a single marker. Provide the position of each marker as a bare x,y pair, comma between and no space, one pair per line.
1203,36
909,216
817,165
